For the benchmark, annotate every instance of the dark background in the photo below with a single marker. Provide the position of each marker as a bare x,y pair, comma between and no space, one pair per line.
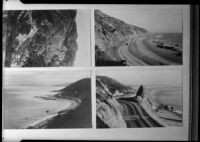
194,62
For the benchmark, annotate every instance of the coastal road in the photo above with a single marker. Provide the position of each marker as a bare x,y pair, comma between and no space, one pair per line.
135,116
126,55
124,52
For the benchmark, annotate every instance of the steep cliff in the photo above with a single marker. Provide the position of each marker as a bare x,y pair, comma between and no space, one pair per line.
108,110
39,38
110,34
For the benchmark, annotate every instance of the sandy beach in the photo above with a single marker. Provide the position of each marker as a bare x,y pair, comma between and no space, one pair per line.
168,55
170,96
20,101
42,123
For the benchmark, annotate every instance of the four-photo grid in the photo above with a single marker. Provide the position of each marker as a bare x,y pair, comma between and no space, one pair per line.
48,69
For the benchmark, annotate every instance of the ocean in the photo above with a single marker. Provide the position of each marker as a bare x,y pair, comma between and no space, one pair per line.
168,95
176,38
22,107
27,93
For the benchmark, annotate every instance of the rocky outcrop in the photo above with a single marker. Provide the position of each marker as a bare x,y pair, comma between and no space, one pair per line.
108,110
142,92
110,34
111,113
39,38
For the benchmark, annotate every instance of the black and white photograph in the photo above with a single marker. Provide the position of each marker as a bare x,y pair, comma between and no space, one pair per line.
46,38
97,72
46,99
139,98
138,37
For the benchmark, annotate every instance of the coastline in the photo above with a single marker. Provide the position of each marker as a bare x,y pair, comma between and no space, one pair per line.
165,121
167,55
42,123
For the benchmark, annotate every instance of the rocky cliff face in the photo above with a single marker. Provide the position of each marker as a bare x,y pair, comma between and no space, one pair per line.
110,34
108,110
39,38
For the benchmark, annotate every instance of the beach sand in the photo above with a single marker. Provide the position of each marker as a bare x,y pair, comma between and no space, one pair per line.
171,96
78,115
22,107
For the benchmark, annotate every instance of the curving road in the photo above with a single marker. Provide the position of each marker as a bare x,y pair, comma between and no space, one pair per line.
135,116
125,54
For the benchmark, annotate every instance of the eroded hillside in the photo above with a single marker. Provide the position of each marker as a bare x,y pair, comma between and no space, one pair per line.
110,34
108,110
39,38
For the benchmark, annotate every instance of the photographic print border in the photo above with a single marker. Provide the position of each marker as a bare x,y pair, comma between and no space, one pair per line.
122,134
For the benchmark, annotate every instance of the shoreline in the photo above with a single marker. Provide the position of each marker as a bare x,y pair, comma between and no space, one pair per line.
161,120
73,104
145,106
167,55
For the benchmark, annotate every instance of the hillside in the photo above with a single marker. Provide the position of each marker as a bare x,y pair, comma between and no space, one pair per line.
108,110
110,34
78,117
122,110
113,85
77,90
39,38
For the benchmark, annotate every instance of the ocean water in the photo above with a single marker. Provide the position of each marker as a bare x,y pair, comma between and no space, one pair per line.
168,95
176,38
21,107
23,89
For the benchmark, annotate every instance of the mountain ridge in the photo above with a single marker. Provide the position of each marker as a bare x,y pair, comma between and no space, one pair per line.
76,88
110,34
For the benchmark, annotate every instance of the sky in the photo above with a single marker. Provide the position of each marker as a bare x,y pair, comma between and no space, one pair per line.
159,21
83,28
43,77
145,77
